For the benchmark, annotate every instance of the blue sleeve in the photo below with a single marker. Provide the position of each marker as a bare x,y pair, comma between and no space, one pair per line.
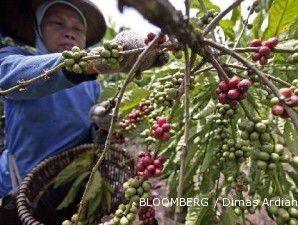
17,64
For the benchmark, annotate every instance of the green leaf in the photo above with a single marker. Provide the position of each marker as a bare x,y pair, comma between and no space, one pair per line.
95,187
107,196
99,196
257,23
78,166
291,137
110,33
200,215
228,217
227,26
281,15
71,195
212,145
208,4
133,96
109,92
293,31
236,15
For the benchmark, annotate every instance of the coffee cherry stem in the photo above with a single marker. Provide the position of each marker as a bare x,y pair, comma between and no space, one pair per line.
275,50
242,31
277,183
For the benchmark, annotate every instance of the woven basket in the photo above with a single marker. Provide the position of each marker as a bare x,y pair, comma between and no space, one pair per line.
116,168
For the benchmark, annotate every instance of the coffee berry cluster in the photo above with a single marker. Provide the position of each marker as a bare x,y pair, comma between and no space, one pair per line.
148,165
125,214
136,188
144,108
239,182
74,219
151,36
226,111
268,156
221,131
147,215
161,129
264,49
256,130
291,99
285,215
233,90
72,60
110,54
166,90
207,18
233,150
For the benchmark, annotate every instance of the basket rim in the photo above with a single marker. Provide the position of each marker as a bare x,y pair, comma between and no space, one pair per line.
21,197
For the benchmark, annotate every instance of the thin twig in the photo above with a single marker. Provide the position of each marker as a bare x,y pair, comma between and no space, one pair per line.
205,12
252,8
221,72
186,134
195,71
25,83
276,50
216,20
262,76
130,75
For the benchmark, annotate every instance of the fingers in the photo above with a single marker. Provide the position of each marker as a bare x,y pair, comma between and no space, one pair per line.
102,122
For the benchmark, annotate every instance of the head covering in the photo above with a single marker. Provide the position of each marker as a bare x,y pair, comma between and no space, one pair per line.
23,12
43,8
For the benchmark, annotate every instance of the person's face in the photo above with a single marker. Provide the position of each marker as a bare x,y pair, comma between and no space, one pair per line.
62,28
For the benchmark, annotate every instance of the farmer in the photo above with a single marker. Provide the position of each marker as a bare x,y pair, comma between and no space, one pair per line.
52,114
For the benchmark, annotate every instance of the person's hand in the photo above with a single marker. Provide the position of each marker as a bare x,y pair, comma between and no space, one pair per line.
130,40
101,116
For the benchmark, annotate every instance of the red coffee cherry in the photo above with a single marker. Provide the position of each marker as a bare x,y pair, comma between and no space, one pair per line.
264,50
255,43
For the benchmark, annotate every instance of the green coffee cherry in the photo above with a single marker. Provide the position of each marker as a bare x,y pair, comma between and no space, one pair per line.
76,55
124,221
107,45
115,53
75,49
67,54
105,53
69,62
66,222
77,69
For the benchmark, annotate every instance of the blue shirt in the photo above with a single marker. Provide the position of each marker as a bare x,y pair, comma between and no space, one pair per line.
50,117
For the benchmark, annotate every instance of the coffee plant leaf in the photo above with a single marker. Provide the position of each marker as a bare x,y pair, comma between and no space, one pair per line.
281,15
291,137
108,91
201,215
228,28
101,203
208,5
257,23
73,170
132,97
228,217
72,193
236,14
96,186
110,33
293,31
